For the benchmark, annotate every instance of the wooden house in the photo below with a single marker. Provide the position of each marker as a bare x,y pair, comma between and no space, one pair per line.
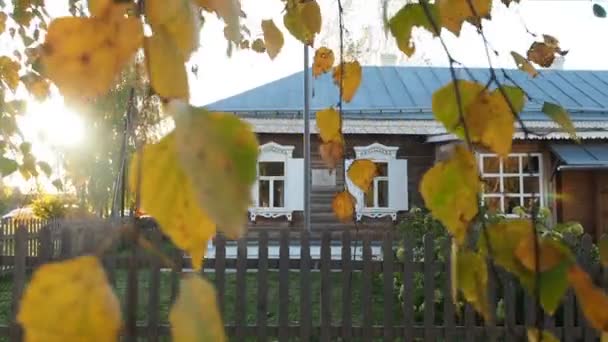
390,121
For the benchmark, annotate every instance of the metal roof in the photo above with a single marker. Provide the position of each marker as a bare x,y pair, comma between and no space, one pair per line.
581,156
394,92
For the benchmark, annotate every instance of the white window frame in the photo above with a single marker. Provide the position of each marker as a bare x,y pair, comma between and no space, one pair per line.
378,153
271,152
375,187
501,175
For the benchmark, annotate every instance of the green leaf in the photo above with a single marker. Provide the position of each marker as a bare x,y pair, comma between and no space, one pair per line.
7,166
303,20
25,147
58,184
558,114
408,17
45,167
218,152
472,277
445,104
603,247
599,11
523,64
516,96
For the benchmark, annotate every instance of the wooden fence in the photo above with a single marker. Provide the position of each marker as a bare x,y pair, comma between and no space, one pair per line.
345,295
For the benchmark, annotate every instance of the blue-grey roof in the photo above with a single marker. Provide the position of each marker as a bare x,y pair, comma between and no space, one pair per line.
405,92
582,155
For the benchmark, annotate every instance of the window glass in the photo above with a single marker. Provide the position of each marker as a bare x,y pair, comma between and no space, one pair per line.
279,198
263,193
271,168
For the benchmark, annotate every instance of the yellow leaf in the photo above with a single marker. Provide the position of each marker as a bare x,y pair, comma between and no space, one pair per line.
343,206
230,11
362,172
551,41
351,79
329,123
258,46
3,17
524,65
9,72
592,300
168,196
37,86
218,152
455,12
98,8
558,114
408,17
550,253
84,55
166,66
472,275
450,189
303,20
273,38
541,54
323,61
70,301
445,103
109,8
535,336
195,316
332,153
177,18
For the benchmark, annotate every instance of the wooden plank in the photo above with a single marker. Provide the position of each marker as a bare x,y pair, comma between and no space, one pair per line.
408,289
66,243
469,323
325,287
510,305
387,272
569,312
262,309
589,334
19,270
366,291
45,249
346,287
154,289
178,259
283,285
220,272
429,287
305,293
240,309
491,331
132,295
448,304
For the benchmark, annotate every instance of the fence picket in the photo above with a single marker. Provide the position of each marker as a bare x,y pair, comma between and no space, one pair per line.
240,294
154,289
325,286
19,271
220,271
284,285
346,287
510,306
429,287
262,309
366,291
448,305
408,289
305,300
387,270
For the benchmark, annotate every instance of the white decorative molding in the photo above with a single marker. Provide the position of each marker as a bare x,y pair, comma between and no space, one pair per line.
270,213
377,213
376,151
274,152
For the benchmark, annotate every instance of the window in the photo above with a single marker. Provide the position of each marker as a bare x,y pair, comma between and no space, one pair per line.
377,196
512,181
271,185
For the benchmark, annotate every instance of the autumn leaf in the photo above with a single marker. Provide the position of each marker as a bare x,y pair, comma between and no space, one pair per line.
166,66
535,336
179,20
70,301
37,86
218,152
343,206
332,153
303,20
592,300
523,64
558,114
350,80
167,195
602,245
543,53
273,38
323,61
230,11
3,17
362,172
450,189
194,316
551,253
9,72
258,46
329,123
109,8
453,13
82,56
408,17
472,280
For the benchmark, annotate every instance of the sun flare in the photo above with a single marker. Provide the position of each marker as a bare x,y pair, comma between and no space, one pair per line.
52,124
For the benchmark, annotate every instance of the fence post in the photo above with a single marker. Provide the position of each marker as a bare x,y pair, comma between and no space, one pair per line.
325,286
387,270
366,291
154,294
408,289
220,269
448,304
18,280
241,297
305,301
347,273
262,311
429,287
284,286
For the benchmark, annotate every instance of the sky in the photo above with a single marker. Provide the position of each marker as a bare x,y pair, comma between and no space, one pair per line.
220,76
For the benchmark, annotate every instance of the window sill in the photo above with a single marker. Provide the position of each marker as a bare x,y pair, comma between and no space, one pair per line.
270,213
377,213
